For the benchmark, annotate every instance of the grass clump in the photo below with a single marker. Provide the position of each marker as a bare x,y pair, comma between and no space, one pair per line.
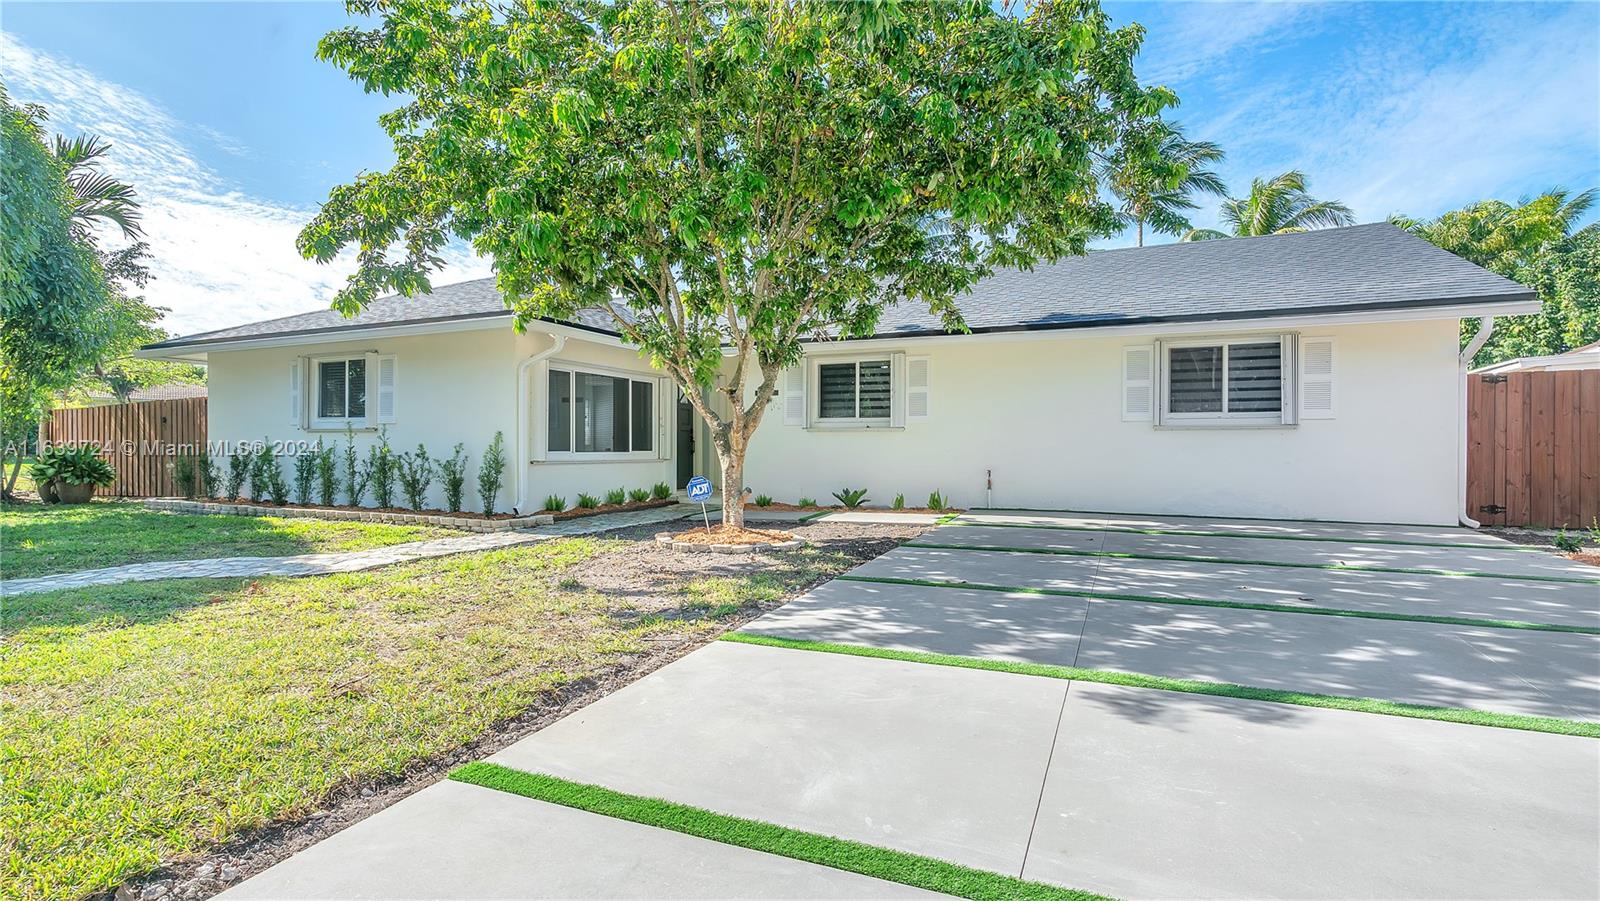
587,501
763,500
617,496
639,495
936,501
661,491
806,502
554,503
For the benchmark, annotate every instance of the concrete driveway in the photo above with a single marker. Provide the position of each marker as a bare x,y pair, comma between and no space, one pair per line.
1131,792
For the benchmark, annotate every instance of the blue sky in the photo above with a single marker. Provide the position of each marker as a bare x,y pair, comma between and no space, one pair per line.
233,131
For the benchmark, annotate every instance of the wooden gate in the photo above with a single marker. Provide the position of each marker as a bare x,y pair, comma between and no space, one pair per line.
1533,448
139,440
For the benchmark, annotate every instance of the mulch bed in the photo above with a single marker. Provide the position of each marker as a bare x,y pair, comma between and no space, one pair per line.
579,512
731,535
642,576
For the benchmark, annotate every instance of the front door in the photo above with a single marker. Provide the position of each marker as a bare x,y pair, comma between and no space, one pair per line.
684,451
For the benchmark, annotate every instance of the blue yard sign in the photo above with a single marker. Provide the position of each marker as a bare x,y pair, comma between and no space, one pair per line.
700,491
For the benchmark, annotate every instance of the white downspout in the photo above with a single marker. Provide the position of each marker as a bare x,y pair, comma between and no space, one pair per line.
1485,328
524,428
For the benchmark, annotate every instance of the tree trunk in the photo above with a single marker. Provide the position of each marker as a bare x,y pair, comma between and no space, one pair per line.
1141,232
733,487
11,480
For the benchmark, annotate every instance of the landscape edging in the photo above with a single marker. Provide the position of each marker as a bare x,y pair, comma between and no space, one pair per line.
462,523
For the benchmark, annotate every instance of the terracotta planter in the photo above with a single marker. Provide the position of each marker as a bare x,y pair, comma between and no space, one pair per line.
73,494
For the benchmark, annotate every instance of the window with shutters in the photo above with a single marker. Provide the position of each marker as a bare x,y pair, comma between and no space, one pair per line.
339,387
593,415
854,392
1224,381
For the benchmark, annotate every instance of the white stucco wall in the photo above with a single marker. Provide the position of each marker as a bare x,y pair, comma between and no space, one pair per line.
451,387
1045,417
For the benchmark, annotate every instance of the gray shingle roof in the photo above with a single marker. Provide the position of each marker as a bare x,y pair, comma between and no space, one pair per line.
1362,267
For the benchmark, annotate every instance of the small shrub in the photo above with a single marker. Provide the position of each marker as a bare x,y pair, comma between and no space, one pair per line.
1569,544
661,491
81,465
763,500
453,478
238,472
1594,530
183,475
492,473
205,470
416,474
305,474
587,501
617,496
852,497
936,501
261,463
555,503
639,495
806,502
382,468
355,476
327,475
899,502
277,485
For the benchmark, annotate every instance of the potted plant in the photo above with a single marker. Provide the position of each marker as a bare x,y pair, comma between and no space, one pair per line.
69,475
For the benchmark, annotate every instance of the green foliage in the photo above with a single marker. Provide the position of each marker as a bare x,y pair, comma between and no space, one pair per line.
554,503
639,495
806,502
184,478
1153,187
734,173
899,502
936,501
1276,206
617,496
661,491
763,500
277,486
492,473
206,472
81,465
416,475
1569,544
382,468
305,473
587,501
327,475
238,472
355,475
261,464
453,477
851,497
1594,530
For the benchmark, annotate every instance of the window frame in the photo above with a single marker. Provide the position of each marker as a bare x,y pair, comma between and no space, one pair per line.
818,421
314,397
572,455
1283,417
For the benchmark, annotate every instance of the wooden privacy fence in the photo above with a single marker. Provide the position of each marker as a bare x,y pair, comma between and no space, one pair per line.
138,440
1533,448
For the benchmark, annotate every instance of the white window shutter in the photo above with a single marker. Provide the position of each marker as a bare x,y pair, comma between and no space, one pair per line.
794,395
388,380
1289,378
1138,383
918,387
897,390
297,395
666,418
1317,389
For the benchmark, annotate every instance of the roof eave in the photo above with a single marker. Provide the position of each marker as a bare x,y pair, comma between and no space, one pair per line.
197,348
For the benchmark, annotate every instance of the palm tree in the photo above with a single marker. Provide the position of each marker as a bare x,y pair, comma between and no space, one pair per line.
97,197
1500,236
1274,207
1147,191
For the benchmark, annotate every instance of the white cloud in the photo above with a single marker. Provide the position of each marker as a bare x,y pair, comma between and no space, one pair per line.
221,258
1216,39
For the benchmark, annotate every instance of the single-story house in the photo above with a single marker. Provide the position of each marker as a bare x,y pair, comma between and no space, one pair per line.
1585,357
1314,375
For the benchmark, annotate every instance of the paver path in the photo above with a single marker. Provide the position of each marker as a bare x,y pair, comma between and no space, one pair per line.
342,562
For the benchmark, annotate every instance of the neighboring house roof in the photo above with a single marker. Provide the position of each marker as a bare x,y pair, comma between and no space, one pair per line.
1359,268
1585,357
154,392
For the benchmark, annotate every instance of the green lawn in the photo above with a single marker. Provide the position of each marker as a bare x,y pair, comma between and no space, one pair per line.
37,539
142,722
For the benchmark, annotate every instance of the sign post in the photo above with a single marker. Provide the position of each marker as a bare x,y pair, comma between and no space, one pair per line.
700,490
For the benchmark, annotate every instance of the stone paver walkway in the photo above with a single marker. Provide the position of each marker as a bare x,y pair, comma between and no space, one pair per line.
343,562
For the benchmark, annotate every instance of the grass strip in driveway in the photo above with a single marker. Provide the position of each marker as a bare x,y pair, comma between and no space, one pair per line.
1462,715
1188,558
890,865
1234,605
1212,533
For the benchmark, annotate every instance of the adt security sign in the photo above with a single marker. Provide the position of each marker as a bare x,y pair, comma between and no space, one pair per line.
700,490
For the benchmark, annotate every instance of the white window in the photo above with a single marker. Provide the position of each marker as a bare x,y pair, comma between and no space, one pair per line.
340,392
592,413
1233,381
855,392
